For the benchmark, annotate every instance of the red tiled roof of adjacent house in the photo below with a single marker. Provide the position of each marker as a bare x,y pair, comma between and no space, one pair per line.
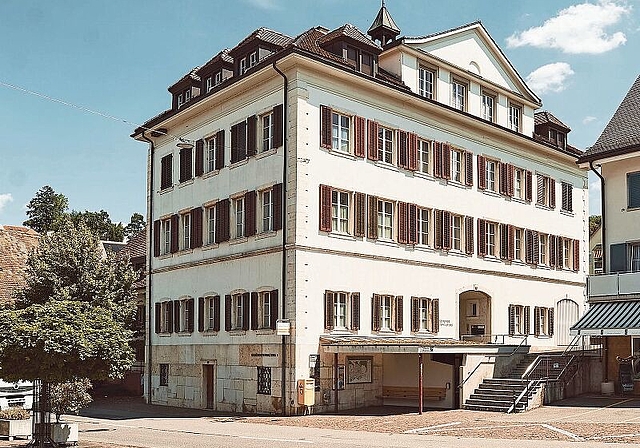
350,31
192,75
266,35
137,245
15,245
544,116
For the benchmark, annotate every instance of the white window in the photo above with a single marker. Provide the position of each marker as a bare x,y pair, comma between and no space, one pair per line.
267,210
386,304
385,220
385,145
243,65
518,319
210,313
211,155
180,100
211,225
456,165
514,117
339,211
340,132
425,313
166,236
237,312
424,156
183,315
209,83
491,174
634,250
566,253
238,213
166,308
344,310
340,310
426,78
490,238
487,107
423,226
264,309
518,183
518,244
544,246
253,59
218,78
186,231
458,95
456,232
267,131
543,322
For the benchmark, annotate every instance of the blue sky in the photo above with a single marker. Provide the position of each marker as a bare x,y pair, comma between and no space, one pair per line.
118,57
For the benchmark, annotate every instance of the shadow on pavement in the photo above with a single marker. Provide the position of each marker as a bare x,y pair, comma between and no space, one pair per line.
599,401
128,408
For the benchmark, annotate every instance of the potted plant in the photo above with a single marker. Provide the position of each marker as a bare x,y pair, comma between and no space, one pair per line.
68,398
15,422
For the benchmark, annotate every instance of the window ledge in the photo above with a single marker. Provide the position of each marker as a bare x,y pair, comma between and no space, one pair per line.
423,248
386,166
237,332
267,153
543,206
185,183
341,331
387,332
209,174
164,334
239,163
632,209
519,200
210,246
341,236
165,256
240,240
492,258
422,175
184,251
265,331
493,193
455,183
543,266
184,334
344,155
210,332
390,243
268,234
518,262
567,213
165,190
455,253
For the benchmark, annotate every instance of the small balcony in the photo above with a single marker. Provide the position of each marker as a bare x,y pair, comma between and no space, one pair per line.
621,285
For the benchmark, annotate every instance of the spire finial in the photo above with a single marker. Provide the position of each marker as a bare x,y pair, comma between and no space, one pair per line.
383,3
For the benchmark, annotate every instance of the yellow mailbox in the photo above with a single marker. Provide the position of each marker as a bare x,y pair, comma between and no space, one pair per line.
307,392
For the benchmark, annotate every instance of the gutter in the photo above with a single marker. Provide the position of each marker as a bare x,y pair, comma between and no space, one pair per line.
150,241
603,221
283,365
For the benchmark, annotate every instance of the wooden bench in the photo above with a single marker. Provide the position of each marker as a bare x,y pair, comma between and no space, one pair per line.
412,393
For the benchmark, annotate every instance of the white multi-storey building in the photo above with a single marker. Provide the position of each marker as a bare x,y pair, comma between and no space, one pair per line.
394,202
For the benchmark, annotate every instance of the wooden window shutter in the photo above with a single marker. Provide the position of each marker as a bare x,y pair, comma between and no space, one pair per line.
227,312
402,223
446,161
201,314
325,208
216,313
528,186
468,166
222,221
250,213
254,310
540,196
528,237
156,238
199,157
536,321
560,257
413,151
360,208
328,310
169,306
175,225
482,173
512,320
355,311
399,317
482,235
412,237
510,177
552,192
157,317
372,140
278,126
403,150
220,150
245,311
273,308
415,314
569,198
504,241
564,202
325,127
446,230
234,144
576,255
360,136
196,227
437,241
185,164
435,315
437,159
191,314
277,206
527,319
372,221
468,238
503,169
550,319
536,247
552,251
511,247
252,135
375,313
176,315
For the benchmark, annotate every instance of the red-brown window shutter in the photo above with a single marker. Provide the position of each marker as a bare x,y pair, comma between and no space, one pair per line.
437,240
550,319
437,159
278,126
325,208
552,251
527,319
372,221
191,314
528,186
196,227
227,312
355,311
254,310
510,176
402,223
415,314
468,166
222,221
468,240
360,132
541,180
372,140
399,317
512,320
375,313
403,150
245,311
277,206
169,306
413,151
576,255
325,127
503,181
328,310
175,225
482,237
412,237
435,315
482,173
536,321
216,313
273,308
511,244
250,213
560,252
360,207
528,237
201,314
220,150
536,247
446,230
552,193
234,143
252,135
156,238
185,164
199,157
446,160
504,241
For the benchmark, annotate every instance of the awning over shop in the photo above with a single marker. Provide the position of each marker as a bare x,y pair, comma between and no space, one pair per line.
615,318
417,344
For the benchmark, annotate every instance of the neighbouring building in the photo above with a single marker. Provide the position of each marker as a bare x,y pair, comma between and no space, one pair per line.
346,208
16,243
595,251
614,296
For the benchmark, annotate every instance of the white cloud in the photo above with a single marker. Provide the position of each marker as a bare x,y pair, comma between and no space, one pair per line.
577,29
588,119
594,187
5,199
264,4
550,77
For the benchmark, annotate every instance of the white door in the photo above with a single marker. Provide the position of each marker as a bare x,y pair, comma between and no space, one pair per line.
566,315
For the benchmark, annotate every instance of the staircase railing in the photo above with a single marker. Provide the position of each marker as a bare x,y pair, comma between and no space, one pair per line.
525,393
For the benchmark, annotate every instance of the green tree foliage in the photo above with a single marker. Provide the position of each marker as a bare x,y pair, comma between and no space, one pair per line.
100,224
73,318
594,223
135,226
69,397
46,211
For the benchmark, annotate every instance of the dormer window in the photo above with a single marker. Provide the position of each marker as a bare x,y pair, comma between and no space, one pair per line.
253,59
243,66
180,100
209,83
358,59
187,95
218,78
561,140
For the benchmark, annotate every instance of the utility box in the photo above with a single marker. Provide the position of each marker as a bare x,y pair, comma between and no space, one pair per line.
307,392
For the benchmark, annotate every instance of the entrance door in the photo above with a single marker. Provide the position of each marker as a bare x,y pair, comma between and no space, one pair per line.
209,385
567,315
475,316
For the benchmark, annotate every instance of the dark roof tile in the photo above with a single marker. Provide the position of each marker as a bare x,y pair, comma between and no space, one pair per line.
350,31
544,117
15,245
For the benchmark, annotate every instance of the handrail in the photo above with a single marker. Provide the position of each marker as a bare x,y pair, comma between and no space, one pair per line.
524,392
482,361
573,343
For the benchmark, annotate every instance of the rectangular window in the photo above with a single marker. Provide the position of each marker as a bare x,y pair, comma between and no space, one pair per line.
458,95
543,322
385,145
243,65
487,106
491,174
518,183
340,128
518,244
164,374
238,214
634,255
339,211
456,165
210,313
253,59
385,220
209,84
183,315
456,232
218,78
423,226
544,248
424,156
267,131
211,155
515,112
386,304
566,253
165,228
267,210
264,309
425,314
340,317
237,312
186,231
426,79
211,225
518,319
490,238
166,313
180,100
187,95
546,191
633,190
166,171
264,380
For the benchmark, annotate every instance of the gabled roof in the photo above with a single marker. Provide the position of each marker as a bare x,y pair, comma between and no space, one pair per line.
265,35
191,76
137,245
544,117
622,133
352,32
222,57
15,245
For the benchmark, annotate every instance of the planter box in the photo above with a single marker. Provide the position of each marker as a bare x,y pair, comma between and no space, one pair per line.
64,432
15,428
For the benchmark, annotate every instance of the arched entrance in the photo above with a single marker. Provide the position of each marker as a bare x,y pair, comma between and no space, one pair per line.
475,316
567,314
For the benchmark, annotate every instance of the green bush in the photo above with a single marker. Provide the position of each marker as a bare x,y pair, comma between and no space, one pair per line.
14,414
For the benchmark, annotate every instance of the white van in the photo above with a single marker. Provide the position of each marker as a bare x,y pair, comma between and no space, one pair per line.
16,394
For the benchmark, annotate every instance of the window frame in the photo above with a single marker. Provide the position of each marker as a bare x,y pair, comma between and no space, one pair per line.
543,249
634,257
490,117
165,239
263,381
387,304
266,210
210,314
543,327
457,166
264,310
338,131
237,312
211,224
166,309
491,175
340,224
518,320
424,166
515,119
164,374
424,226
239,221
491,238
423,82
459,91
210,154
185,231
425,313
267,132
385,219
519,182
518,245
457,233
386,144
567,249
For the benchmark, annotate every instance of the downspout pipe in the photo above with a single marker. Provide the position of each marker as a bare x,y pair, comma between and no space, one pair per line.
283,364
150,243
603,221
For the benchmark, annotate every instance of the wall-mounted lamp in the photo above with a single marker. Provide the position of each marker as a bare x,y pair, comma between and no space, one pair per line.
184,144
